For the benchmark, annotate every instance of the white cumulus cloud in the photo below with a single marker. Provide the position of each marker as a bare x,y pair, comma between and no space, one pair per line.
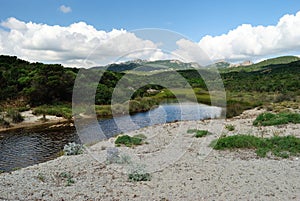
78,44
247,41
65,9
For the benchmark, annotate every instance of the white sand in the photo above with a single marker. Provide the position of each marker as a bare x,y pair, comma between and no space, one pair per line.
31,118
188,172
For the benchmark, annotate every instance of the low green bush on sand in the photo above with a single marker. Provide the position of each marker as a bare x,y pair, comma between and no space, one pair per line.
269,119
138,173
230,127
128,141
55,110
198,133
279,146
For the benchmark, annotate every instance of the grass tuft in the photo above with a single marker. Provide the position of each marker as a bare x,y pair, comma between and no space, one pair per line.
198,133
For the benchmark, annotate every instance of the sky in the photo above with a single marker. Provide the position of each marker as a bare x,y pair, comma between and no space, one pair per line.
88,33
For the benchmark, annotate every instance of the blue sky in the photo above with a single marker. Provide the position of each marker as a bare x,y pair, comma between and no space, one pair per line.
193,19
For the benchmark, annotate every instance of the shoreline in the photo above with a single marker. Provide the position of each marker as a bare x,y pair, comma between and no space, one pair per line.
33,125
217,175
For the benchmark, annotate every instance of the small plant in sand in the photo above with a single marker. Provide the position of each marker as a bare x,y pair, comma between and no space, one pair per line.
138,173
198,133
230,127
128,141
41,177
67,177
114,156
73,149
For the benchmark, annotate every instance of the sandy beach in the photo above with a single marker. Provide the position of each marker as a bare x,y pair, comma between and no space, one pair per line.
182,168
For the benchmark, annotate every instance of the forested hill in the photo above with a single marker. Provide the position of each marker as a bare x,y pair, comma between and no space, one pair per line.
37,83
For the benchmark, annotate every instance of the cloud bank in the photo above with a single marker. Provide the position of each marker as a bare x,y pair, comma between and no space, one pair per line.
247,41
79,44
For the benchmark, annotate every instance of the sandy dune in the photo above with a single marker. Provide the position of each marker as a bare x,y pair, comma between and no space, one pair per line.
182,168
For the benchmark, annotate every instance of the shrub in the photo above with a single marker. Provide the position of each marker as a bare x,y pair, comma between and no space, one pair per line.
230,127
141,136
269,119
137,173
201,133
4,123
128,141
73,149
68,177
15,116
112,155
198,133
192,131
56,110
235,108
237,141
278,146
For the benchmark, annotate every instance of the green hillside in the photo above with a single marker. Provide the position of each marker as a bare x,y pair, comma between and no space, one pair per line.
263,64
36,84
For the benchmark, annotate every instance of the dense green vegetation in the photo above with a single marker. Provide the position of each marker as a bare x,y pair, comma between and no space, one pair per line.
279,146
270,119
128,141
48,87
61,110
37,83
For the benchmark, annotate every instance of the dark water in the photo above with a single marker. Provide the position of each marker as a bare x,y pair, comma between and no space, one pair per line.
23,148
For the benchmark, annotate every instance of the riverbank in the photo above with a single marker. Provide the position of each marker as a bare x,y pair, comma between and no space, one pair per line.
31,121
196,173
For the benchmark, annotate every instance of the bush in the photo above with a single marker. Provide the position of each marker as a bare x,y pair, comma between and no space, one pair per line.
56,110
73,149
278,146
137,173
67,177
198,133
235,108
128,141
112,155
201,133
15,116
230,127
141,136
237,141
269,119
4,123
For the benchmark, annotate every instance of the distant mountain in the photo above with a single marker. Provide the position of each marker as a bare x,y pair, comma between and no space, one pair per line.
148,66
244,63
167,65
219,64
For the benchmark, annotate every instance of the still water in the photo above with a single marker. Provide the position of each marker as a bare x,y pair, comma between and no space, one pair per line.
25,147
